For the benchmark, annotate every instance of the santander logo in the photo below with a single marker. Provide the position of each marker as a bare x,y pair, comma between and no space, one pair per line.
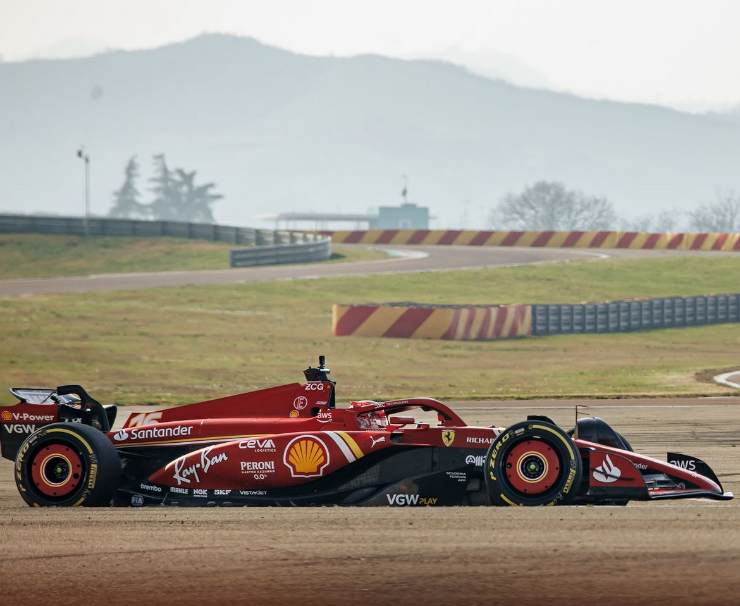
607,472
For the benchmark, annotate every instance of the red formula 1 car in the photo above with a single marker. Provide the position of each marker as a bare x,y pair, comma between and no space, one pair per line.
290,445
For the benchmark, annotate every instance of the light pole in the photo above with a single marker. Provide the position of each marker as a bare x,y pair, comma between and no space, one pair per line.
82,154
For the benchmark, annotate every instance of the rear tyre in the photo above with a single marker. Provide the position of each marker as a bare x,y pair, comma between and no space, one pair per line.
532,463
67,464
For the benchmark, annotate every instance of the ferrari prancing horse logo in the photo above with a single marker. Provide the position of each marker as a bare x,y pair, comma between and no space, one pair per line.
448,437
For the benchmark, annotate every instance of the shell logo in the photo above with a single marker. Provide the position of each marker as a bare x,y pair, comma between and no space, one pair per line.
306,457
7,415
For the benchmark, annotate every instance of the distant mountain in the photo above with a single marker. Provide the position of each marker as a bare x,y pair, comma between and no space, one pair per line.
69,48
733,114
491,64
282,131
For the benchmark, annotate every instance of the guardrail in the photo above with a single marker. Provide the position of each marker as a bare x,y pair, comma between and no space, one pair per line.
266,246
624,316
316,248
133,227
727,242
491,322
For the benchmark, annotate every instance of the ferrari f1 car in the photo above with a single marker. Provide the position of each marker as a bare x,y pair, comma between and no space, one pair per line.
291,445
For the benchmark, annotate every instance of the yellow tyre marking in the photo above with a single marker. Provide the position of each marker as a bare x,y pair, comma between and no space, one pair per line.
560,437
72,433
571,475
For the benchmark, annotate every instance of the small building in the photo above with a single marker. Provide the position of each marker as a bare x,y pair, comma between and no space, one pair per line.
406,216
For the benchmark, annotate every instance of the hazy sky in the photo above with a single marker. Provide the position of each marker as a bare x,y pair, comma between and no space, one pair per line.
674,52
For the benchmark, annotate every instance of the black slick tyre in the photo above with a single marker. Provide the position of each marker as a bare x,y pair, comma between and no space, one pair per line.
532,463
67,464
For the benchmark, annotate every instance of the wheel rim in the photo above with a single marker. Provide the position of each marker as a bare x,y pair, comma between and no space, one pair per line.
56,470
532,467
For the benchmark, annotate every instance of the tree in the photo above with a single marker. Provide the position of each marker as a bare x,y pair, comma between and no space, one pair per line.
668,220
548,205
722,215
178,197
195,200
126,203
664,221
166,204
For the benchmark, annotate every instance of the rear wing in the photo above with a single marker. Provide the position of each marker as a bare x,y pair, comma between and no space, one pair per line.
33,395
45,395
34,409
39,406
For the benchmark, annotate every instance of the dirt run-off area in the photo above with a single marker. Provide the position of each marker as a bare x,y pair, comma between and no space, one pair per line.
678,552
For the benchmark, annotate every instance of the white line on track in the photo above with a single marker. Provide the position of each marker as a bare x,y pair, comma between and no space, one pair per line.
724,379
406,254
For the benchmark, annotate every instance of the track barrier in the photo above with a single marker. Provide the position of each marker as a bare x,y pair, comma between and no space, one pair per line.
624,316
450,322
262,246
728,242
316,249
492,322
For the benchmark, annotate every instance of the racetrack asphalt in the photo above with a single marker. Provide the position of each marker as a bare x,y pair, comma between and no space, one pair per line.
670,553
405,259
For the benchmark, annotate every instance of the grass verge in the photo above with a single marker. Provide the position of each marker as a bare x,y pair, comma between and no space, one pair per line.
173,345
44,256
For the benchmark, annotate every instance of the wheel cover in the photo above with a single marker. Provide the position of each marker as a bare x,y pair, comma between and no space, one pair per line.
532,467
56,470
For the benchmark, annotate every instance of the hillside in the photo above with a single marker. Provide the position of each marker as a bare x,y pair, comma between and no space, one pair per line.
281,131
732,114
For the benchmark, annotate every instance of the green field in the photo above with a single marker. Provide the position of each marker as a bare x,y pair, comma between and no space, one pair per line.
181,344
42,256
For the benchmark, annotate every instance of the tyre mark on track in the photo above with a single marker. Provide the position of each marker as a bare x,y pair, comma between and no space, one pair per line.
122,552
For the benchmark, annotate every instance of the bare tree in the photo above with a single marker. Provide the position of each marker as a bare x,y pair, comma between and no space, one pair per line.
641,223
721,215
668,220
548,205
664,221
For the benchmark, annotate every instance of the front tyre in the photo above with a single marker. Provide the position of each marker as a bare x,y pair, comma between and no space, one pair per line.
532,463
67,464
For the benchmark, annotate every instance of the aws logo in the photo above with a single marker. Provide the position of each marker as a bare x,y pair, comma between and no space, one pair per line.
306,457
688,464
